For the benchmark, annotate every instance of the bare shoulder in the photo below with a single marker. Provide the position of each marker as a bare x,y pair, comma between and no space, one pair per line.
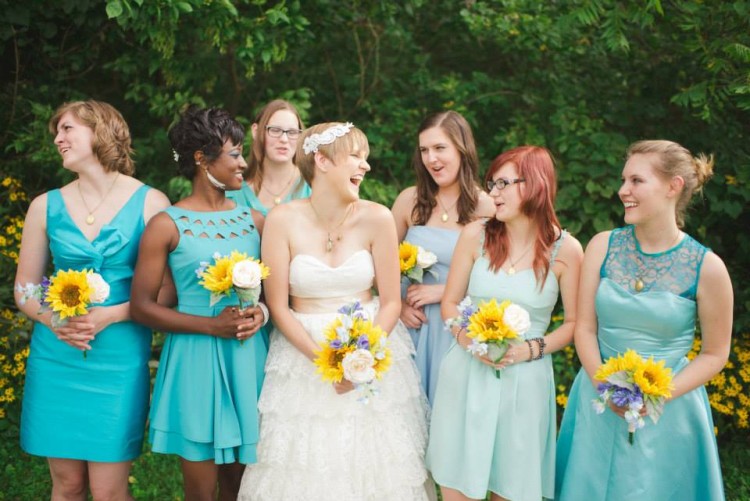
156,201
714,271
473,230
598,242
485,205
406,198
373,213
404,203
570,248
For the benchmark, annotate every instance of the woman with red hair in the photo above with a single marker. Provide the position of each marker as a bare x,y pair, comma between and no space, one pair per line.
492,433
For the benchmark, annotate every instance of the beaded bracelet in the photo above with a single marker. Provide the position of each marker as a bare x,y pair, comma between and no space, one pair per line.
541,343
531,350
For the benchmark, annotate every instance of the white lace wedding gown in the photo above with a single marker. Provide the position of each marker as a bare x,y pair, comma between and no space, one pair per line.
318,445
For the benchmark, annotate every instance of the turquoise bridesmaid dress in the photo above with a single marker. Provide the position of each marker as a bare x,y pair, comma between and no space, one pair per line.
498,434
677,458
247,197
205,403
432,340
93,408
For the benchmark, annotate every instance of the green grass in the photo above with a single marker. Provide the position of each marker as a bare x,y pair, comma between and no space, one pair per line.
156,477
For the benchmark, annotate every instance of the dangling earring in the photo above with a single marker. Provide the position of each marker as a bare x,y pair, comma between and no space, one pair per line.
217,184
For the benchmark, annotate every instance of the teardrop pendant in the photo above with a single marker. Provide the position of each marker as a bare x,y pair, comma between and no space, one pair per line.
329,243
639,285
277,200
444,217
90,219
511,270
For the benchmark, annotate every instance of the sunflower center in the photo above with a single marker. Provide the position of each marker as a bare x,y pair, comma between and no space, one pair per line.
70,295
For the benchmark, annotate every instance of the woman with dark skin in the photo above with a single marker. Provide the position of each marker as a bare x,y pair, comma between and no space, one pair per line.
211,368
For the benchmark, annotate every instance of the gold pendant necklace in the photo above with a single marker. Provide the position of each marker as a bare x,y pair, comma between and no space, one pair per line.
512,268
277,196
329,239
90,218
444,218
638,284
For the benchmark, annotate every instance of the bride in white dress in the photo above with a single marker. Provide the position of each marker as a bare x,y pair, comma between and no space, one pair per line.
317,441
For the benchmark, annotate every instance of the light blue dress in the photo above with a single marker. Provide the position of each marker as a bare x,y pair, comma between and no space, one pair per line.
246,196
93,408
677,458
205,403
432,340
498,434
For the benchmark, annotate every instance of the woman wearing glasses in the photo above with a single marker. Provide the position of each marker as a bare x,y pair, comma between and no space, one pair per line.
271,177
431,215
491,433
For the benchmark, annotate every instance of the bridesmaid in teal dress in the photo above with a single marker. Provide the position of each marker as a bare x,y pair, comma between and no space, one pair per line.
498,434
641,287
431,214
204,407
272,178
87,415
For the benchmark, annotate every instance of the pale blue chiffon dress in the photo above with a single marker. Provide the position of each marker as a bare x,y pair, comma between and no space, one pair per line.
93,408
205,403
490,434
677,458
432,340
246,196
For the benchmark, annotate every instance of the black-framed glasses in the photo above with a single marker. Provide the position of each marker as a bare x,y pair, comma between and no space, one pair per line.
502,183
274,131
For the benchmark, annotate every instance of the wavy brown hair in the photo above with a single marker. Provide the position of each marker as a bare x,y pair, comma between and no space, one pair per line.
536,166
257,155
111,143
459,132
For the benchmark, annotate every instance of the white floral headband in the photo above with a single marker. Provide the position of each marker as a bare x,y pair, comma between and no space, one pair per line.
313,141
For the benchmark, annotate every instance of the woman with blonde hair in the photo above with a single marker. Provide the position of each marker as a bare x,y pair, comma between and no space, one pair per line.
641,288
317,441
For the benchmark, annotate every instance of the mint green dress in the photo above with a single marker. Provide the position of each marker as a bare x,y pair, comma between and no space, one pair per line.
93,408
490,434
247,197
677,458
205,403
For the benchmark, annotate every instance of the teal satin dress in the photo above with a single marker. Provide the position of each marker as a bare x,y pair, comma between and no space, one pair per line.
205,403
490,434
677,458
92,408
432,340
247,197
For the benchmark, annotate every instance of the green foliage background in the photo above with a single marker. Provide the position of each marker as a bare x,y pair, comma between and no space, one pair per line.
582,77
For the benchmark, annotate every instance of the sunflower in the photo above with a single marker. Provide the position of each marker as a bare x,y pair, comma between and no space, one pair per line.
377,339
407,256
328,360
654,379
487,324
217,278
69,293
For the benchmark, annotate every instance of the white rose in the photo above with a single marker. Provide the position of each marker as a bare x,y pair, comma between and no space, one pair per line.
359,366
517,319
246,274
425,259
99,288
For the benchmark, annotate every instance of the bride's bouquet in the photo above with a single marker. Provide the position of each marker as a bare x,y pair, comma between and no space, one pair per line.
491,327
236,272
355,350
67,294
633,382
414,261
